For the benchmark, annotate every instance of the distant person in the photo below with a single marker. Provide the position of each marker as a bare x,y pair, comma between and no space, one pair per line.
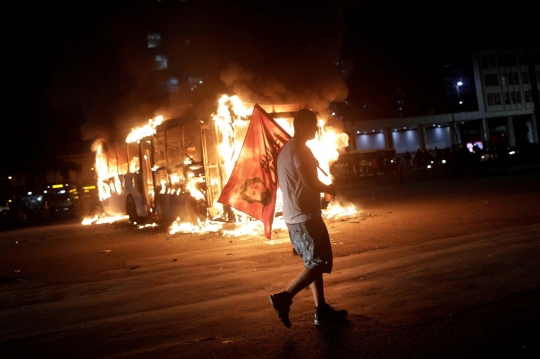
375,168
364,165
301,188
419,159
400,169
407,160
438,156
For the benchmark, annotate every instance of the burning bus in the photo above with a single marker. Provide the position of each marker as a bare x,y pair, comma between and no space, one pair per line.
174,170
162,171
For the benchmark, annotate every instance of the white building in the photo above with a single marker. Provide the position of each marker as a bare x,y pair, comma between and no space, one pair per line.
505,96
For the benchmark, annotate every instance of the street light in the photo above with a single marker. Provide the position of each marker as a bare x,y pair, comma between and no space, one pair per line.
458,84
454,127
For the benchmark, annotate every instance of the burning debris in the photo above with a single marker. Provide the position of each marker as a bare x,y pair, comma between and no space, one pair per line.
105,219
171,172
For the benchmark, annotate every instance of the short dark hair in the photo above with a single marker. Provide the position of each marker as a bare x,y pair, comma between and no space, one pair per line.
303,116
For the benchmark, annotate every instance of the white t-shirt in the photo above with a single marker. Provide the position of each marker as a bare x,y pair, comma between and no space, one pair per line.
299,202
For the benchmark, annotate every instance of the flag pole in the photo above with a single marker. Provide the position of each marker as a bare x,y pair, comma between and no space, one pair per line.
326,174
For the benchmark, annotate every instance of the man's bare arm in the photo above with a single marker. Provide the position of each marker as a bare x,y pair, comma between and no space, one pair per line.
308,176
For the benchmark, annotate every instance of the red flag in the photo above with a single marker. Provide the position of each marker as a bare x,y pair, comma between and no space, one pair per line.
253,183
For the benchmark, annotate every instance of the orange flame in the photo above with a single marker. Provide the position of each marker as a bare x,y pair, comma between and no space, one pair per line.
138,133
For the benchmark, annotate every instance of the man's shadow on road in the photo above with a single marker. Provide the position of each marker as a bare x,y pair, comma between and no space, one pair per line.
342,339
325,340
334,333
336,341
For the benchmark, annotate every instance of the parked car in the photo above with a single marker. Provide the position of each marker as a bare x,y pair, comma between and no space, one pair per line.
62,199
5,211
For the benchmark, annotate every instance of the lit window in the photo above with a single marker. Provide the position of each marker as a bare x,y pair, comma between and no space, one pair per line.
161,62
194,81
153,40
172,85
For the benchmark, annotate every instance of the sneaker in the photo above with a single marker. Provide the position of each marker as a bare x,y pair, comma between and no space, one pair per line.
325,315
282,304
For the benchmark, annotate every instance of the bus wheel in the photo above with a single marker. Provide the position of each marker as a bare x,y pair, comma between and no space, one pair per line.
131,210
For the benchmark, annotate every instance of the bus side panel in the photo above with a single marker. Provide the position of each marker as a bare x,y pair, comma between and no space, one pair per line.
182,206
133,184
114,205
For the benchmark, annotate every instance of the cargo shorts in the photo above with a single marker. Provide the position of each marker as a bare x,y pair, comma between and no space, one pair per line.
311,241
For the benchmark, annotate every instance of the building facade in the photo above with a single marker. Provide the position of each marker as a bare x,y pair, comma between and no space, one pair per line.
507,92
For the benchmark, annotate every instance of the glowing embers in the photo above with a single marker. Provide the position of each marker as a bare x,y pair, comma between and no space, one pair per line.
252,228
340,208
104,220
113,219
201,227
247,228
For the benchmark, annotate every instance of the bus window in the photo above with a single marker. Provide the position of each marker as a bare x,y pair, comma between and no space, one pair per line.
174,147
192,141
162,180
112,188
116,185
133,157
160,159
101,161
112,161
121,153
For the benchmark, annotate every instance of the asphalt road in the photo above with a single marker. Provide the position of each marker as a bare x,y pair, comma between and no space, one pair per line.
437,267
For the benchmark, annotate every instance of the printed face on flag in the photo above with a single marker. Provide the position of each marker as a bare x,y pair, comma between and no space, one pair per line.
254,190
253,184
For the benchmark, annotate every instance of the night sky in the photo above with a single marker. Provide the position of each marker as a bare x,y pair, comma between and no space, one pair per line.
76,74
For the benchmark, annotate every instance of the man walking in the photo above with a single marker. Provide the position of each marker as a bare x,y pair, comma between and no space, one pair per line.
301,188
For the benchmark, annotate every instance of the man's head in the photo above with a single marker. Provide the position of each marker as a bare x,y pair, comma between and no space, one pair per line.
305,124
